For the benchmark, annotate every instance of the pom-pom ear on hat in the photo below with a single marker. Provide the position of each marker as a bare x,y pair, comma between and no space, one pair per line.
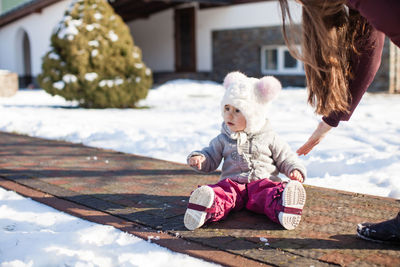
233,77
268,88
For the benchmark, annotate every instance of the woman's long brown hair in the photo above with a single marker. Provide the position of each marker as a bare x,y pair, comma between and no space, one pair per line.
329,36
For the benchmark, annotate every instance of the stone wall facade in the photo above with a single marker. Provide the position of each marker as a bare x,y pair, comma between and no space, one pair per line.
240,49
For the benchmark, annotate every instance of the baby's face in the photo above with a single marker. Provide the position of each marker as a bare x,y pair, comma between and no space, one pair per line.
234,118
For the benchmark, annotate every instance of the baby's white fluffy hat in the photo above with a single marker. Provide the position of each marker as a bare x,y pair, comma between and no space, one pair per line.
251,96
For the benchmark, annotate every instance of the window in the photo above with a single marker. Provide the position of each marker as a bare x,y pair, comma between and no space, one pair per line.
277,60
271,59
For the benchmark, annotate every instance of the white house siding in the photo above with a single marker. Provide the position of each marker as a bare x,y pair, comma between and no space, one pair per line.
155,36
38,27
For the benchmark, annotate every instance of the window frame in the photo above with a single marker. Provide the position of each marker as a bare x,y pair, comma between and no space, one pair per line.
281,49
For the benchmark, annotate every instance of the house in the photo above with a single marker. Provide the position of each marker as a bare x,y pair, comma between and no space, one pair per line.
201,39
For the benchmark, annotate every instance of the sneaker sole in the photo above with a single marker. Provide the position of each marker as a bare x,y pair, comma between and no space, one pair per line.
293,196
203,196
369,239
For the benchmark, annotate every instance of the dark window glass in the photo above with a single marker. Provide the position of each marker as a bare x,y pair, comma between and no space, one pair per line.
290,62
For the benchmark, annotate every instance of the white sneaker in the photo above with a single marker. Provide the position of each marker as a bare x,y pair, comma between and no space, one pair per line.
293,198
202,198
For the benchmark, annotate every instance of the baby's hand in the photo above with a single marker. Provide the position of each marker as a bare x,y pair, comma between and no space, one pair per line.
296,175
196,161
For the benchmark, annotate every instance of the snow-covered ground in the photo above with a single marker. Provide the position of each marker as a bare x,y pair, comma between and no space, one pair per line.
362,156
32,234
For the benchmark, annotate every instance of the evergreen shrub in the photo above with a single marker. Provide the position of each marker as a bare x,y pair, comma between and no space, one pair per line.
93,59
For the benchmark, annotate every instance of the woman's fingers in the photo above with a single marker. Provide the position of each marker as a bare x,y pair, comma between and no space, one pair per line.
314,139
307,147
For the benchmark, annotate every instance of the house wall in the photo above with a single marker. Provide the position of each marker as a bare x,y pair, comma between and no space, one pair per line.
38,27
262,14
155,35
240,49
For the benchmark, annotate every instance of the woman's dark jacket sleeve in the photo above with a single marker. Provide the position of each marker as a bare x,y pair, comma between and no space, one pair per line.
385,19
382,14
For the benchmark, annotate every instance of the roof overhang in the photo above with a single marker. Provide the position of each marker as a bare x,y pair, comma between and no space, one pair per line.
131,10
23,10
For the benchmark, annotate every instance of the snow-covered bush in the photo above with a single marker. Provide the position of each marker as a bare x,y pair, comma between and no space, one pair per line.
93,59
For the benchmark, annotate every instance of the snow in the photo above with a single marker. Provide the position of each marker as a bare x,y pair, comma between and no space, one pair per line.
91,76
113,36
361,156
111,83
54,56
94,43
70,29
59,85
135,55
32,234
69,78
98,16
94,52
264,240
90,27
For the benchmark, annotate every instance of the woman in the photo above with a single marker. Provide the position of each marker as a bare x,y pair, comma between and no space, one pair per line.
342,43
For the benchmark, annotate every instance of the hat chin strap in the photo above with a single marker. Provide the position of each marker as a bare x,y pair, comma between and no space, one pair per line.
241,137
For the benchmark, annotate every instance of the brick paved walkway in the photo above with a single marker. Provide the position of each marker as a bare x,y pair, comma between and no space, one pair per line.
147,197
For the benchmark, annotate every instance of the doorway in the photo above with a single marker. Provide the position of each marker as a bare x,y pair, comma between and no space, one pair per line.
27,77
185,40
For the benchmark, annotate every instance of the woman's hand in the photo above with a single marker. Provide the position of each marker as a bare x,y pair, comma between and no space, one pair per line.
314,139
296,175
196,161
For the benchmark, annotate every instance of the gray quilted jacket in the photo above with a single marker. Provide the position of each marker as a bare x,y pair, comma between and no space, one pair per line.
249,157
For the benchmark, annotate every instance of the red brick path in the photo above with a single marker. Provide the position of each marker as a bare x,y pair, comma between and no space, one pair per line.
147,197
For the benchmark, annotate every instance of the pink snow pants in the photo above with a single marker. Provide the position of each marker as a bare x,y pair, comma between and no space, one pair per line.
261,196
